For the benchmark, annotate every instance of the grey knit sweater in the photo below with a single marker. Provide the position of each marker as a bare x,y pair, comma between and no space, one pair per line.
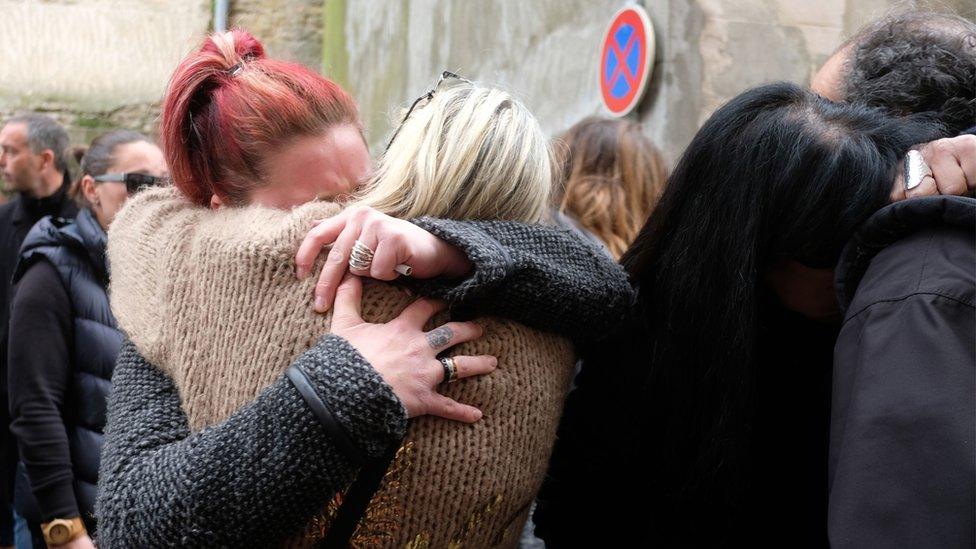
256,478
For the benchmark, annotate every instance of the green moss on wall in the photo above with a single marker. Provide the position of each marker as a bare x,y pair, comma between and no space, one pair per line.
335,57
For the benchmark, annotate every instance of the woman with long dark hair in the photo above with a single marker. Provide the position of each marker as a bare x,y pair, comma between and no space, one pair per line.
705,421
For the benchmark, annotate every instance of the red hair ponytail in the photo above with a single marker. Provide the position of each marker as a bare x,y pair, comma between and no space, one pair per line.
228,105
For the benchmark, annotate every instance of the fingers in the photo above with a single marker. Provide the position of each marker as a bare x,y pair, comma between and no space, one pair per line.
947,173
451,334
348,303
927,187
419,312
965,146
468,366
449,408
323,232
898,191
384,261
367,236
336,265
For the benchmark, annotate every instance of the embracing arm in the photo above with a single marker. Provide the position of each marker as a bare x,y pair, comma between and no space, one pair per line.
543,276
900,464
251,480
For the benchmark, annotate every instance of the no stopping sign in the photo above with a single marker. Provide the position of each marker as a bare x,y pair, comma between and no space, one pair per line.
626,60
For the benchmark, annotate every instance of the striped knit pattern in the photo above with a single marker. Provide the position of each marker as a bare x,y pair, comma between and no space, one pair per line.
211,298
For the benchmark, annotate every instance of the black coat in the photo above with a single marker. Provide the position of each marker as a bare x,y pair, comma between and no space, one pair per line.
615,478
60,377
16,218
902,467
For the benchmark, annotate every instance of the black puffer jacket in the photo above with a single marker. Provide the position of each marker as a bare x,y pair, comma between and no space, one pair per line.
77,252
902,462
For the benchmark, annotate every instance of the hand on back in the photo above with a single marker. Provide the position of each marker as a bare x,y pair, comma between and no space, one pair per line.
406,356
953,164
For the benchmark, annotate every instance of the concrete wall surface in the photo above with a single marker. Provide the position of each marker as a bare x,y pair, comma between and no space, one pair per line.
99,64
94,64
547,52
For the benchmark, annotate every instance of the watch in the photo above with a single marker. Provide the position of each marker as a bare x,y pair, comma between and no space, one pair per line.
61,531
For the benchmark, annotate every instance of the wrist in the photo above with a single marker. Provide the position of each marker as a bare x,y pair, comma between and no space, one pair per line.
456,263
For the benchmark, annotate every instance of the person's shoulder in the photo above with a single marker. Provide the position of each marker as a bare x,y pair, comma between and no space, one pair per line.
926,248
7,209
39,288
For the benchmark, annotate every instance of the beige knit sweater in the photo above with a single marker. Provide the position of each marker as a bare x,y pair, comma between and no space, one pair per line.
211,298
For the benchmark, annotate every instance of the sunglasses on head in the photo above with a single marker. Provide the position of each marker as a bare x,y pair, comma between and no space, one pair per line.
427,96
133,180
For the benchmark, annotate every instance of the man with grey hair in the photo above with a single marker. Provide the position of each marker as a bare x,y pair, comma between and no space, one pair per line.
34,161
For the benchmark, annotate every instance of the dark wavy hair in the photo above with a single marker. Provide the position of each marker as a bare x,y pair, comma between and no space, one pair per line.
915,62
777,173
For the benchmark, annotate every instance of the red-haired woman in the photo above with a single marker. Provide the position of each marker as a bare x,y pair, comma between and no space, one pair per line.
242,129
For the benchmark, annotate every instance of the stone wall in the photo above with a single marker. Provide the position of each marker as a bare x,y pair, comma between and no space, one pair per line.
97,64
546,51
100,64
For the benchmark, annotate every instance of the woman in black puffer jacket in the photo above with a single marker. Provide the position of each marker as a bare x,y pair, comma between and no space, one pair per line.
64,342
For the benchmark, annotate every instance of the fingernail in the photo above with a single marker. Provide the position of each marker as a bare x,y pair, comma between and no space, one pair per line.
319,304
301,272
477,415
494,361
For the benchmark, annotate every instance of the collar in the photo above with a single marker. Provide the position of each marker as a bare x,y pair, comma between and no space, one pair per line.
30,209
891,224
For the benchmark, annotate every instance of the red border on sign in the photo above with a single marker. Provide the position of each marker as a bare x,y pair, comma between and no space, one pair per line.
623,105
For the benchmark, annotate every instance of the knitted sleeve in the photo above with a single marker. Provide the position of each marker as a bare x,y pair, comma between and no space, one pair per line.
251,481
545,277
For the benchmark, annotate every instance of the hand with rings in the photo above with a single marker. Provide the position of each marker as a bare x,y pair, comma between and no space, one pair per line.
946,166
366,242
406,357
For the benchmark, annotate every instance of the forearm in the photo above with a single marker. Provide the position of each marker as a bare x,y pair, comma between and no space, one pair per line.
39,374
43,447
254,479
545,277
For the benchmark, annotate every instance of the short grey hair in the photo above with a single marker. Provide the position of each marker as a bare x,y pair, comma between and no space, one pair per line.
44,133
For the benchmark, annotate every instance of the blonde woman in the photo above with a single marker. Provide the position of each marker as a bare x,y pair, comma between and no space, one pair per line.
214,440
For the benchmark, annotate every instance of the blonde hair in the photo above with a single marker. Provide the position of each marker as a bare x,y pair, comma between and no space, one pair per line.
470,153
613,177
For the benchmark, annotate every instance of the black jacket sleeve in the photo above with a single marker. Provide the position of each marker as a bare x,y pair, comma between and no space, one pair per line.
250,481
39,375
901,468
545,277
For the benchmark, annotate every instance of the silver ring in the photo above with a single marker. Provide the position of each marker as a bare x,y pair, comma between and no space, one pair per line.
916,170
450,369
361,257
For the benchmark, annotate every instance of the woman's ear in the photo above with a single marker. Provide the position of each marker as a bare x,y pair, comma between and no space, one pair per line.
215,202
88,190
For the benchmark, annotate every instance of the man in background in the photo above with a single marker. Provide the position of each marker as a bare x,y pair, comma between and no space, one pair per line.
34,163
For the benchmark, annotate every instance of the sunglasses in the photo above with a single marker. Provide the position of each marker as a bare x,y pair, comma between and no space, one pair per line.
134,181
446,75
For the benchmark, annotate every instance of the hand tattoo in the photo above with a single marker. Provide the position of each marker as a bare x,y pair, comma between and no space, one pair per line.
440,337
